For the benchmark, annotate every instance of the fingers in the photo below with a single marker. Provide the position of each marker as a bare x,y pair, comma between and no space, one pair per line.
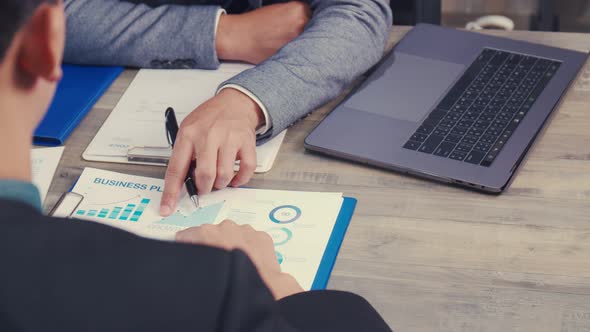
215,135
215,165
266,240
207,235
226,235
257,245
175,174
189,235
247,157
206,170
228,224
226,160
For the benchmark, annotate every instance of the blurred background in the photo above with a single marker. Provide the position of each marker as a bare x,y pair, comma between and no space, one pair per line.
543,15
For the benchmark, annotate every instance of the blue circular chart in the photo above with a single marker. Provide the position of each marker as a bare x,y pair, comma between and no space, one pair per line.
279,257
285,214
280,235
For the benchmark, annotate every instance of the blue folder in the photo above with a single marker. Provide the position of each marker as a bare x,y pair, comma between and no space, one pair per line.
77,92
334,243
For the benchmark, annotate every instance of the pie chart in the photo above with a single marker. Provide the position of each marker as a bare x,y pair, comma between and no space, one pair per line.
285,214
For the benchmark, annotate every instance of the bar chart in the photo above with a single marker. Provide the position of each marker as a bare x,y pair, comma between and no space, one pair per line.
130,212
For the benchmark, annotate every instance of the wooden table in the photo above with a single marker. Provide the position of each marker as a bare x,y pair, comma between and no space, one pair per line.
431,257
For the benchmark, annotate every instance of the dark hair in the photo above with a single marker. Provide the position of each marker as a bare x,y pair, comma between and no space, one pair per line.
13,14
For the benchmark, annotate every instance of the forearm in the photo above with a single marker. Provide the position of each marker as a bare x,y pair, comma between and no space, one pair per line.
343,39
114,32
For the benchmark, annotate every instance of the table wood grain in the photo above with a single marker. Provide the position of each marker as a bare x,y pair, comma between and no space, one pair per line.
431,257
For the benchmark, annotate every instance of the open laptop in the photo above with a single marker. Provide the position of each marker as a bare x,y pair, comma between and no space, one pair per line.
450,105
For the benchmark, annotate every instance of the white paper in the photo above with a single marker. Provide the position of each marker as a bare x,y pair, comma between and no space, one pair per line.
138,118
300,223
44,162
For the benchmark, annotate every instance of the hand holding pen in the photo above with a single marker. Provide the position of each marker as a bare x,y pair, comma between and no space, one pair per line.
172,132
217,134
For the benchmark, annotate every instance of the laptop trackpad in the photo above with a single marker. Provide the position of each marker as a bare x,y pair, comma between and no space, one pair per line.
405,87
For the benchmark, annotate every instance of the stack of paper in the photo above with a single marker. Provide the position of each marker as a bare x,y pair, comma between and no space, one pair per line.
44,163
138,118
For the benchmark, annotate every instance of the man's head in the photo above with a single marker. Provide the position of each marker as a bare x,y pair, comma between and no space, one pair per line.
32,37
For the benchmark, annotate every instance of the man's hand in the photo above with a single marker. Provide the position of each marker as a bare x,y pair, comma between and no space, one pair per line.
223,129
257,245
257,35
216,134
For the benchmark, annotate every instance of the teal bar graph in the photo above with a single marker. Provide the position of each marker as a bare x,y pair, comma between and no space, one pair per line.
115,213
137,214
127,212
131,212
103,213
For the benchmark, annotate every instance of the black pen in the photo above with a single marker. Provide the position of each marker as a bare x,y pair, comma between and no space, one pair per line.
172,131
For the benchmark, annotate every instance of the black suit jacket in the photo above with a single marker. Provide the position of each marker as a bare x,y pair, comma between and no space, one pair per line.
63,275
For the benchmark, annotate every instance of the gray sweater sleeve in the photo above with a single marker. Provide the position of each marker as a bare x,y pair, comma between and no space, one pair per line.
114,32
343,40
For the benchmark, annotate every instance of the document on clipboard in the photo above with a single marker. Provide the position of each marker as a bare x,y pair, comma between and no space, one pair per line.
135,131
307,228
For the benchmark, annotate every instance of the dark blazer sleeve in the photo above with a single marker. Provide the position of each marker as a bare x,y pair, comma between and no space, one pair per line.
60,275
331,311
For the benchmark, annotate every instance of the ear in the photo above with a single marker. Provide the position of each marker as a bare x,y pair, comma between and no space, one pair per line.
42,44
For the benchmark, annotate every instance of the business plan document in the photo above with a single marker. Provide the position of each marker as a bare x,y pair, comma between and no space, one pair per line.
138,118
300,223
44,162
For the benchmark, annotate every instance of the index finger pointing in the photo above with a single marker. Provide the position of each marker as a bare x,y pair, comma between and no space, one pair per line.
175,173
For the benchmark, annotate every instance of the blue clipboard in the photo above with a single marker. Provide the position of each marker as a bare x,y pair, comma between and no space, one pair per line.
78,91
334,243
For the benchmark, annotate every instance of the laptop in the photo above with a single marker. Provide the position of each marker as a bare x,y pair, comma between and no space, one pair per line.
449,105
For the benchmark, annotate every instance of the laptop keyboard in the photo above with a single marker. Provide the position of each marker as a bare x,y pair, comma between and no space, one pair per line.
482,110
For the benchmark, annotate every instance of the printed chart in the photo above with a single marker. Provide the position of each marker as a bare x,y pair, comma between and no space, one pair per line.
285,214
202,216
279,257
280,235
299,223
131,212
